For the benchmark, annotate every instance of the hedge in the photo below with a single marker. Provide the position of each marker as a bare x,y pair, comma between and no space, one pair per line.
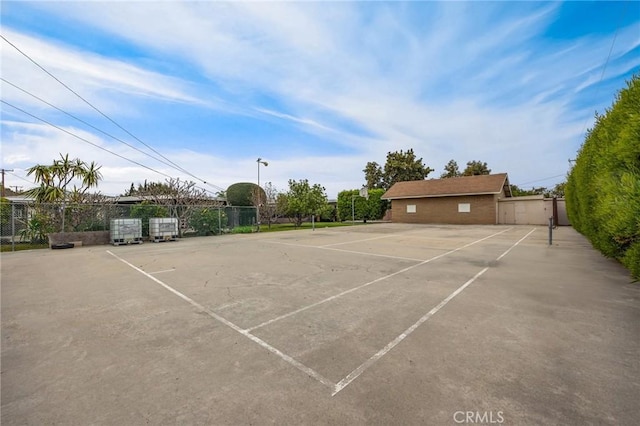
372,209
603,188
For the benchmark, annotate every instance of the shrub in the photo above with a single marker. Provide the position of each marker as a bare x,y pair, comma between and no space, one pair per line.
603,188
145,211
242,194
372,209
207,221
37,229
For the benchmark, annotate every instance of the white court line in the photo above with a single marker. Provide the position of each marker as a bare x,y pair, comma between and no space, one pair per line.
346,251
351,290
358,241
513,246
368,363
228,323
374,254
161,272
227,305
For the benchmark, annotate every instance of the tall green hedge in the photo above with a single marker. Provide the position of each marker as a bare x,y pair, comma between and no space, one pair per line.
372,209
603,188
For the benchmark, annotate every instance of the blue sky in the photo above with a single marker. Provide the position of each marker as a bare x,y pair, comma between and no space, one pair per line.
317,89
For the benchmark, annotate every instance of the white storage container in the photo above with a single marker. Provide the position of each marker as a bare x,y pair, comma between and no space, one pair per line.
163,229
126,231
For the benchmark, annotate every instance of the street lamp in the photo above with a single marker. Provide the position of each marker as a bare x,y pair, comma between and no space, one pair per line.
264,163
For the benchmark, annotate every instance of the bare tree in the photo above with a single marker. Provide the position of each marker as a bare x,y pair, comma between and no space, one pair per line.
266,200
180,197
86,210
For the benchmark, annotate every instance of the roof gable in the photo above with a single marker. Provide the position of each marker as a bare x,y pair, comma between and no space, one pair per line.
464,185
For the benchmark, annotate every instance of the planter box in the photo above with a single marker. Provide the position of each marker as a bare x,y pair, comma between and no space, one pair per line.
88,238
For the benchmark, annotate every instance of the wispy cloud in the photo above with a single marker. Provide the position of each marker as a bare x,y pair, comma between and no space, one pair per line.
97,77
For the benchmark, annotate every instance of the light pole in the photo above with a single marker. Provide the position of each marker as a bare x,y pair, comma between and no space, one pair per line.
259,198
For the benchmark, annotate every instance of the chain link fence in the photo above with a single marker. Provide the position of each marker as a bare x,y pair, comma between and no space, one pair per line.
23,223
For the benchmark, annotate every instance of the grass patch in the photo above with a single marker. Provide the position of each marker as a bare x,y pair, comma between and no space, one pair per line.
242,230
22,246
277,227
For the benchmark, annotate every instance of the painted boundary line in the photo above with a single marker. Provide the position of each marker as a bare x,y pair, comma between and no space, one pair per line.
359,241
351,290
513,246
363,367
231,325
345,251
163,271
382,352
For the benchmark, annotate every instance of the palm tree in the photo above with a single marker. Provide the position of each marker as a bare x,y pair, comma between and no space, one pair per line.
55,179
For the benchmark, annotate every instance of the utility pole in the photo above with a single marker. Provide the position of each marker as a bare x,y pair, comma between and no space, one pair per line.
2,171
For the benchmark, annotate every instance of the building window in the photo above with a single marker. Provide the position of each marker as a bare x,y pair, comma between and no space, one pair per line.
464,208
411,208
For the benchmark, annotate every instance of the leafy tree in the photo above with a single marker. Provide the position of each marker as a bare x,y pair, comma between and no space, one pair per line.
403,166
603,188
475,168
61,178
304,200
148,188
451,170
373,175
282,204
241,194
557,191
145,211
519,192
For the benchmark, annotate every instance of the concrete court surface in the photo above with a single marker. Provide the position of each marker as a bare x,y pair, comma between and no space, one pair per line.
375,324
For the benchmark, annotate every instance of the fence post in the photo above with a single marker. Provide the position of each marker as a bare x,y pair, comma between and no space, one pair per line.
13,227
550,230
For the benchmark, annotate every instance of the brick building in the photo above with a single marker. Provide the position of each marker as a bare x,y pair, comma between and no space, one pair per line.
460,200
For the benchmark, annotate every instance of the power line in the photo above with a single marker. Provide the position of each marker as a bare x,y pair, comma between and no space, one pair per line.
107,117
604,68
539,180
83,139
20,177
88,124
93,144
